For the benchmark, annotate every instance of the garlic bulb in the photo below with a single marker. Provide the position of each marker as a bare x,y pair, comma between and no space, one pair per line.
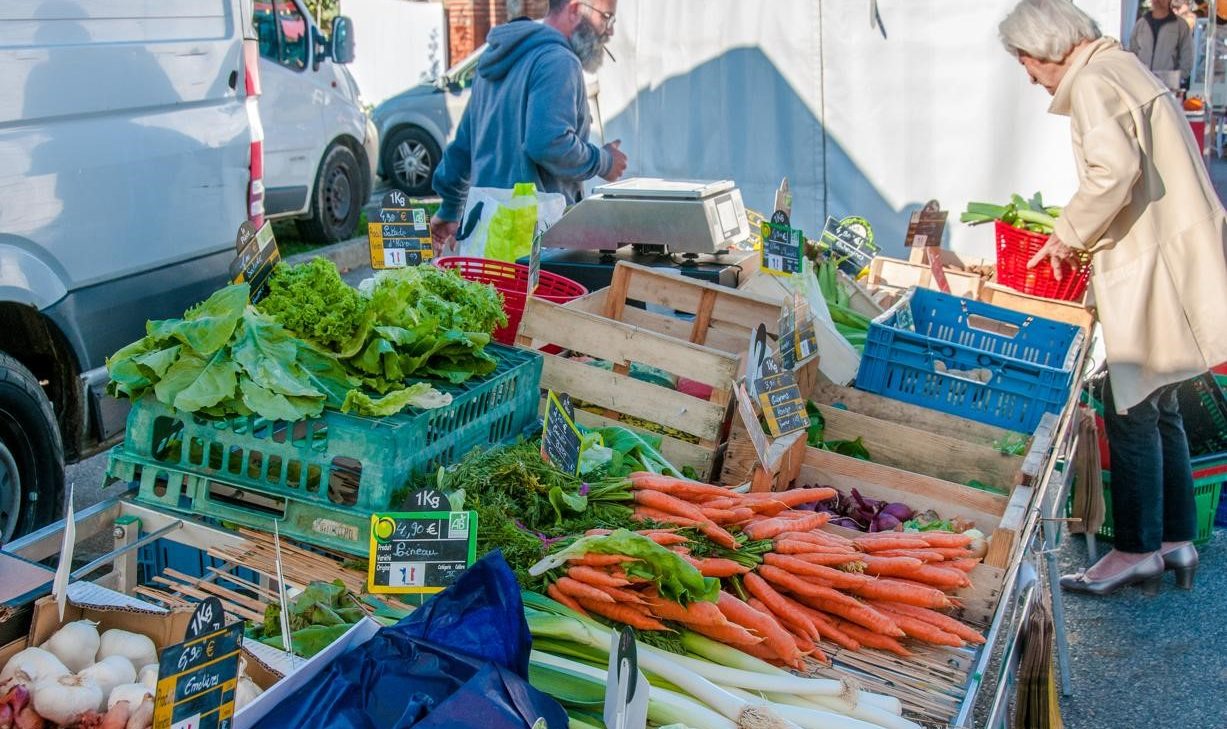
63,700
148,676
108,673
34,664
138,649
133,693
75,644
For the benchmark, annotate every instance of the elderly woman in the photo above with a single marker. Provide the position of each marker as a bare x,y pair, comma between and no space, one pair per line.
1157,234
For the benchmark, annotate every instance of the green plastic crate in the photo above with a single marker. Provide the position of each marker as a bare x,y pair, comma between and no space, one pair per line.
1207,489
321,477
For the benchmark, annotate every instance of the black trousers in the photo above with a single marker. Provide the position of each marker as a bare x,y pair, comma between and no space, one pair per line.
1152,481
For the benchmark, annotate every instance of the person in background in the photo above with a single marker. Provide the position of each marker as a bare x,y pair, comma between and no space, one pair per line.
1162,41
1156,233
527,119
1184,10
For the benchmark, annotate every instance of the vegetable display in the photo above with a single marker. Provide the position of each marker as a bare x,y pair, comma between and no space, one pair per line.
851,325
319,615
224,358
1032,215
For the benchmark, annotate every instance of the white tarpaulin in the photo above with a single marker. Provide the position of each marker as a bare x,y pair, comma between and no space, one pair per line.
399,44
863,119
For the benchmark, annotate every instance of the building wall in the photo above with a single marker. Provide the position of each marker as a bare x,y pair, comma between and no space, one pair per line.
469,21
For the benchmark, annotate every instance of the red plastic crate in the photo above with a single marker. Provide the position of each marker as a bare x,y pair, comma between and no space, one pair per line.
511,280
1016,247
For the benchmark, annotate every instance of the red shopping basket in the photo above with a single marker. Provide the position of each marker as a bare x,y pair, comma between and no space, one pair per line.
1015,247
511,280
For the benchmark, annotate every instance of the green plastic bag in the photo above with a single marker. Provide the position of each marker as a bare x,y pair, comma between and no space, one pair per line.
512,228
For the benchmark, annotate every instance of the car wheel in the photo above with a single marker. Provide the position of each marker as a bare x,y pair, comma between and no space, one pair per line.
31,454
410,156
338,201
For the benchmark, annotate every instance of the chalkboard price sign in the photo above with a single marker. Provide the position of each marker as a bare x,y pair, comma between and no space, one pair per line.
196,681
420,552
783,246
400,236
782,404
257,256
851,243
208,618
428,500
560,439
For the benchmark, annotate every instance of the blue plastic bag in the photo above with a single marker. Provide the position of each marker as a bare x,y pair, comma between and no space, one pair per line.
459,661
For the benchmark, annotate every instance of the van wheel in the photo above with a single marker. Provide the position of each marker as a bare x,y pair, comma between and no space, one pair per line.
31,454
338,198
410,156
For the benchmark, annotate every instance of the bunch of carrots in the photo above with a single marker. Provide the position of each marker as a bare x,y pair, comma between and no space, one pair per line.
781,603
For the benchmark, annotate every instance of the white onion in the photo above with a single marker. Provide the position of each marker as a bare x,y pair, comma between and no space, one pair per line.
133,693
34,664
63,700
137,648
108,673
149,676
75,644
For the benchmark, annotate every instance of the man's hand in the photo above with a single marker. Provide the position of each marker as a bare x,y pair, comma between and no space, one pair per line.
1058,255
442,233
619,161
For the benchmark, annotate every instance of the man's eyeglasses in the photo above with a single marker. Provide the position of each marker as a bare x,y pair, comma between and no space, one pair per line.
608,18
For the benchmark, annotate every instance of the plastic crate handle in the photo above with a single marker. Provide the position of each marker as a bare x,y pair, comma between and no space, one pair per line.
988,369
996,327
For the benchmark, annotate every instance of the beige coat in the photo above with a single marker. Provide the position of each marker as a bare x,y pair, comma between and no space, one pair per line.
1146,210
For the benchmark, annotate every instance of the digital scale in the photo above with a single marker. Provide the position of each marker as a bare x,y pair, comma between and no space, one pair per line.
690,226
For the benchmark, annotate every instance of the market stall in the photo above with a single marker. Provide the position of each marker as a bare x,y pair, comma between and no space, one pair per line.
667,454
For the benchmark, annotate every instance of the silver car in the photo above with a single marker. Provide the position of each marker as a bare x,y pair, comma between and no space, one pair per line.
416,125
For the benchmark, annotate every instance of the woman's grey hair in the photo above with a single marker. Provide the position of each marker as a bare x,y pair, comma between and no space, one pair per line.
1046,30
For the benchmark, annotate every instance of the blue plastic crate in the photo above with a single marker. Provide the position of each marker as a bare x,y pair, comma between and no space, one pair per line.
967,358
154,559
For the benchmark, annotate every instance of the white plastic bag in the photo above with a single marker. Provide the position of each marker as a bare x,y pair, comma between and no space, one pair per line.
480,207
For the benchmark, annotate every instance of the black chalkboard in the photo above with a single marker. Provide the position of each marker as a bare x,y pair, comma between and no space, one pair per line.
560,438
420,552
400,236
788,338
783,246
853,251
209,617
257,257
428,500
196,681
782,404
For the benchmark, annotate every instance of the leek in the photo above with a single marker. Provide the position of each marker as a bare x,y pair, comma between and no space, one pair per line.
863,710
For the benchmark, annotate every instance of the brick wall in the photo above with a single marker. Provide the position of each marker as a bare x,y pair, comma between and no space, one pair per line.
469,21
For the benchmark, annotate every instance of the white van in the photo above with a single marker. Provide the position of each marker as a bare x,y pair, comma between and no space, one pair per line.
129,155
319,146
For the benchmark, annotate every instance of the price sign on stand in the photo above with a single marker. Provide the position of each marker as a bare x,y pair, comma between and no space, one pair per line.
257,255
209,617
745,407
196,681
926,226
780,397
851,243
805,339
401,235
420,552
560,438
788,337
783,246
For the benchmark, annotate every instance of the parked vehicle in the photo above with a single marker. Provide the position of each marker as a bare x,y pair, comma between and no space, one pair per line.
319,145
416,125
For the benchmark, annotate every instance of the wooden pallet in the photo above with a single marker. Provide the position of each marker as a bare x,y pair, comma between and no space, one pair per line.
1070,312
710,348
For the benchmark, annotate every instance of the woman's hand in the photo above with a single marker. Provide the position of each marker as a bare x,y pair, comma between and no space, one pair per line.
1058,255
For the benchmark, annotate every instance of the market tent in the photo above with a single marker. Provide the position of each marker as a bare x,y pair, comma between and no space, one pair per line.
864,117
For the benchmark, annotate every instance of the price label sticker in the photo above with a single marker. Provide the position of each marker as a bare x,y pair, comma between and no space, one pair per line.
782,404
420,552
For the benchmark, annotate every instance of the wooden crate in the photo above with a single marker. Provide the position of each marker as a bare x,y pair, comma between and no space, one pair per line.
709,348
892,276
1070,312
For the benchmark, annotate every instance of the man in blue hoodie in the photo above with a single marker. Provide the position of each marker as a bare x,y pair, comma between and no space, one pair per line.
527,119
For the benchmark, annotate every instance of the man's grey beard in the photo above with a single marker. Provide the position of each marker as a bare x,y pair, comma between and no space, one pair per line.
588,45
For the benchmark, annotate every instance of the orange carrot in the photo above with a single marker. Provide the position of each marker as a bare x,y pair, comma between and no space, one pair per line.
621,594
669,504
798,586
775,638
564,598
940,620
772,527
760,651
780,607
830,558
667,539
600,560
644,514
577,590
966,565
819,537
825,625
943,577
724,516
870,639
675,486
622,614
945,539
920,630
732,634
596,577
884,543
833,577
924,555
900,591
719,535
953,553
718,567
858,613
696,613
800,635
890,566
